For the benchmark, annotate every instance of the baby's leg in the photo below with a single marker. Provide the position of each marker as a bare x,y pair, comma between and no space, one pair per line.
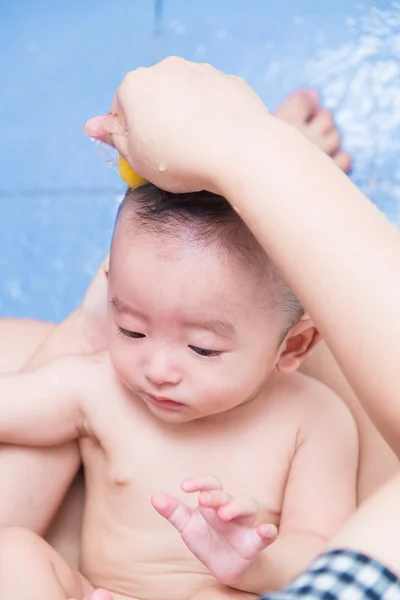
216,592
30,568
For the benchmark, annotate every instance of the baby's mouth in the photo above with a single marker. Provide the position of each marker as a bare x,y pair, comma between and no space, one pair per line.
165,403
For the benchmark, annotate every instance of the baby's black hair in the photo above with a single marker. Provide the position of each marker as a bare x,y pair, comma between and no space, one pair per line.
212,220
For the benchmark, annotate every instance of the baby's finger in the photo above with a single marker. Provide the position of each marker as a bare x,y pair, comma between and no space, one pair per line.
214,499
172,509
238,507
267,533
254,540
201,483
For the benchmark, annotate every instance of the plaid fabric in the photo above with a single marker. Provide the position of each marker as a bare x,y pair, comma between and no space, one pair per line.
342,575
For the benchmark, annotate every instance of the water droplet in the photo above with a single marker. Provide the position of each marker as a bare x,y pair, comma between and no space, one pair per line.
108,154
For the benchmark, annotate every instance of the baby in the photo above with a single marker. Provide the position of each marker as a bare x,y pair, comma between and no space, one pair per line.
197,393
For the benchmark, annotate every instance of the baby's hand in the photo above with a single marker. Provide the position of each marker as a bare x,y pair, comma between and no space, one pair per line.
220,531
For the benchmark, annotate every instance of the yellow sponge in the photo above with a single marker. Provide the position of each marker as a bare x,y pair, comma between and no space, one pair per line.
132,179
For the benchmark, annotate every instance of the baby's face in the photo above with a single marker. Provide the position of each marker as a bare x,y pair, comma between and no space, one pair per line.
187,331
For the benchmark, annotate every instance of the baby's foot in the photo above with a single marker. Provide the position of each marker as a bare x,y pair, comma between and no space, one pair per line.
301,109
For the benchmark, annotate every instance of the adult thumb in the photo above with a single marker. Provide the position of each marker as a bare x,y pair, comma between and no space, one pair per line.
109,129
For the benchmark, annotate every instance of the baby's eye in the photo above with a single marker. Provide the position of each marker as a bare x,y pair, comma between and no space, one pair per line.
204,352
132,334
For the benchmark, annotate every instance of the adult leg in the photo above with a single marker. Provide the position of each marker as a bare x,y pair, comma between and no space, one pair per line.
375,528
377,461
31,568
363,560
19,338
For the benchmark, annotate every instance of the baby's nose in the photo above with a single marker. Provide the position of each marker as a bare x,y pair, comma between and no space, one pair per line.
160,370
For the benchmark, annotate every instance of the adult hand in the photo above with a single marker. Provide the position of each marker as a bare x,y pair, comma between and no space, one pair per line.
178,122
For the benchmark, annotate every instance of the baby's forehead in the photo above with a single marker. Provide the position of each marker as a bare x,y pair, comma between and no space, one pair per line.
181,246
201,253
202,275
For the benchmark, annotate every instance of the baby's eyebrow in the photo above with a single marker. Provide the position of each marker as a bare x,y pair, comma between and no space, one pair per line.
121,307
217,326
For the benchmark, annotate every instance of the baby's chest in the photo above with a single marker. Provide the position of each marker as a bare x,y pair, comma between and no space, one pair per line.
139,461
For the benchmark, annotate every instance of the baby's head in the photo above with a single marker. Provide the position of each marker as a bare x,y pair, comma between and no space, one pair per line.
199,319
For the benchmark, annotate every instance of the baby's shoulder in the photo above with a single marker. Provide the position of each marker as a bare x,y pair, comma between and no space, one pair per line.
81,374
102,395
97,370
314,404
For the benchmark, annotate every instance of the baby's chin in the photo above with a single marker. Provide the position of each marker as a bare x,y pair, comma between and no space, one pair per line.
176,413
174,416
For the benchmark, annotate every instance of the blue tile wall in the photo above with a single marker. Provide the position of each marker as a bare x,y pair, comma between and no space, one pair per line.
61,61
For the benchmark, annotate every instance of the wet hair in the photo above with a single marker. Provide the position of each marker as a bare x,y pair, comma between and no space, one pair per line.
212,221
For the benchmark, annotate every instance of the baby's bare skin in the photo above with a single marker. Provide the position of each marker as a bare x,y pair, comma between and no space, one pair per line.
129,454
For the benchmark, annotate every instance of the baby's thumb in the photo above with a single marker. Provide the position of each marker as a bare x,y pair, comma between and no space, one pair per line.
109,129
177,513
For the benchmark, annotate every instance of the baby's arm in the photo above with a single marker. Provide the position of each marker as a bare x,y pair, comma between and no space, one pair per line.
38,478
43,407
320,494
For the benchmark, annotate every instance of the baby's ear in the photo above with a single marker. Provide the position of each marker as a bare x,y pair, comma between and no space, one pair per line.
106,266
297,345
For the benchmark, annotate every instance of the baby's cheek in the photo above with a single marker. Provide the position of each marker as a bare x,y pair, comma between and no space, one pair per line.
225,393
122,359
241,387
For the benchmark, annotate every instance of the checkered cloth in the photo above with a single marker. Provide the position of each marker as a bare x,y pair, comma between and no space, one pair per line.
342,575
